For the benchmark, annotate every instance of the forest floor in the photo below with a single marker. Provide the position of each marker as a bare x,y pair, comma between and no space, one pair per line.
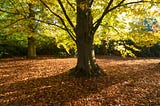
44,82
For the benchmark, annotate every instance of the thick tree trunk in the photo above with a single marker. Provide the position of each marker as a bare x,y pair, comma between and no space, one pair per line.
31,47
86,64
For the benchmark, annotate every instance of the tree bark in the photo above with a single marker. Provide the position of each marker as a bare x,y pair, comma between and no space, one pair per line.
86,63
31,47
32,40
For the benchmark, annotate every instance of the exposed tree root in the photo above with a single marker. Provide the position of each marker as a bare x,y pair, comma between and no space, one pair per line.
92,72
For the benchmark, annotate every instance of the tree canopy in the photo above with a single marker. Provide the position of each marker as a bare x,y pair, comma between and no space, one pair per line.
62,14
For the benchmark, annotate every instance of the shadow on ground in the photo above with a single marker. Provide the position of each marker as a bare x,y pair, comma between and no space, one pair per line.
61,90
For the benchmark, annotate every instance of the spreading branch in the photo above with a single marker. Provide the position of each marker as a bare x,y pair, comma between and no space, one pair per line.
98,22
22,7
12,23
51,10
61,19
66,15
49,23
15,13
54,24
108,9
13,3
120,5
71,5
90,2
141,1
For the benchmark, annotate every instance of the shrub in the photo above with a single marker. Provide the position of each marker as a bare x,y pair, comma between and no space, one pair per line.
127,48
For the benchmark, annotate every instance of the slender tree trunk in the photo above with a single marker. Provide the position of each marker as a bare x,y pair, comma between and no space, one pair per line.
31,47
86,64
32,39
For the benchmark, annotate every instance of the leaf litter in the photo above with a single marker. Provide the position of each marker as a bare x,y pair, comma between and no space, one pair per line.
44,82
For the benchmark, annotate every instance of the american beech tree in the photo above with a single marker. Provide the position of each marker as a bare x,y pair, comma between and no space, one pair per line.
85,27
81,19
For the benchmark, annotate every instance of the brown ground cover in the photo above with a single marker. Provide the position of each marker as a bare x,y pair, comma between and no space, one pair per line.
44,82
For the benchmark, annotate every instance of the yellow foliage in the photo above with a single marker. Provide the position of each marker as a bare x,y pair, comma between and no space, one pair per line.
33,1
83,5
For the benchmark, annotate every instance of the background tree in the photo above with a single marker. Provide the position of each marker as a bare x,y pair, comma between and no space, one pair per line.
33,20
18,16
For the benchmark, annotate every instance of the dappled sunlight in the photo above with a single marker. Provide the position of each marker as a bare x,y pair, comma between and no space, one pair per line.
21,70
131,61
74,31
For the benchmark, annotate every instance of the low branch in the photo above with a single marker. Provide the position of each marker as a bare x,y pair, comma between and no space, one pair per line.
22,7
136,2
71,35
12,23
13,3
51,10
9,12
107,10
66,15
61,19
71,5
54,24
141,1
98,22
49,23
91,2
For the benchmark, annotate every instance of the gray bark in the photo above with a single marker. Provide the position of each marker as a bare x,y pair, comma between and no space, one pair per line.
32,39
31,47
86,64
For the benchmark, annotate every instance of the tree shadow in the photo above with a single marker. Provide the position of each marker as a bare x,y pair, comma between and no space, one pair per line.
54,90
39,57
61,89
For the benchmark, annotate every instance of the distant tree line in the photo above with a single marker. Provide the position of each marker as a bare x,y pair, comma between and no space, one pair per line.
10,46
